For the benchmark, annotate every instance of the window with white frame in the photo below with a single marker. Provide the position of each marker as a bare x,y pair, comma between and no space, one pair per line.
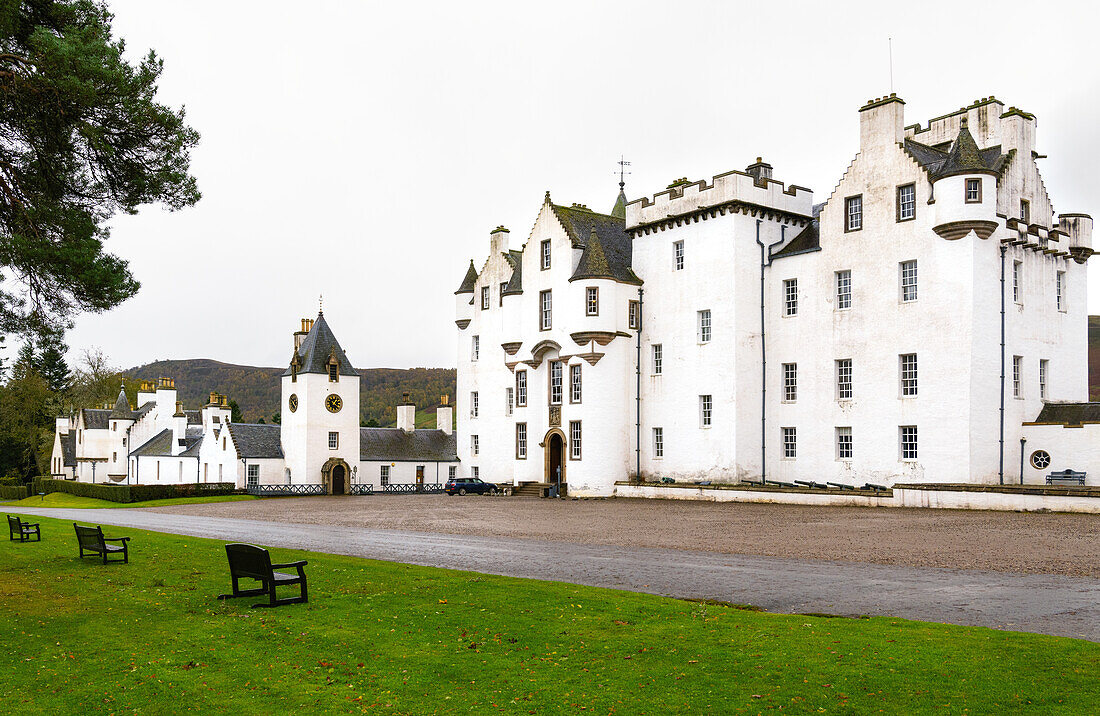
484,297
521,388
1017,268
907,364
475,347
1017,370
790,382
253,475
591,301
452,472
790,443
907,435
907,202
706,407
790,297
677,255
844,443
634,315
333,441
475,472
1060,290
545,310
843,290
1043,362
574,384
1025,211
555,382
574,440
474,409
853,213
475,445
844,379
704,326
973,191
384,475
658,358
658,442
908,275
546,254
521,441
508,400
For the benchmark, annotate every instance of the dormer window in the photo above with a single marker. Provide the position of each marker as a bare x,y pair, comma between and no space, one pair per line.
333,370
973,191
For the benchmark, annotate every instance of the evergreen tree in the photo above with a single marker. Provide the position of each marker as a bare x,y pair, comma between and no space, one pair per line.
235,415
51,364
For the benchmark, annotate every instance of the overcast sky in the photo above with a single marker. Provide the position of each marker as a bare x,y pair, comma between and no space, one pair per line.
364,150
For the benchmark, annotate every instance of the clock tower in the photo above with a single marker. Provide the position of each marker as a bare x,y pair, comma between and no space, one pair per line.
320,410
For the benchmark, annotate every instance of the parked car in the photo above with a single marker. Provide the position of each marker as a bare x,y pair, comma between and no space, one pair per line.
464,485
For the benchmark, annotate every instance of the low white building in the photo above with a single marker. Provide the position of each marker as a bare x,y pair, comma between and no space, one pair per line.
319,447
734,330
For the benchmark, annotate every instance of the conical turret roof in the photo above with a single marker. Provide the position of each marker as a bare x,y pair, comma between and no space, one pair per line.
965,157
619,210
468,282
593,262
319,345
122,409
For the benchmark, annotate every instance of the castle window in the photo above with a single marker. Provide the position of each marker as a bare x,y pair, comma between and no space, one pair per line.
223,443
1060,290
555,382
114,457
853,213
1043,378
484,298
704,326
907,367
908,275
678,256
634,315
473,404
521,441
790,382
500,296
843,290
790,297
658,358
843,443
475,347
1017,267
592,301
333,441
1017,369
1025,211
253,475
521,388
907,202
384,475
658,442
475,472
844,379
790,443
546,254
452,472
973,191
475,445
114,426
508,393
574,440
574,384
545,310
706,408
221,471
907,436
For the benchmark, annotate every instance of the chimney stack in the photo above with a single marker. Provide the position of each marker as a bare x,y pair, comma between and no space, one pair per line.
498,241
179,429
300,335
760,171
881,122
444,413
406,414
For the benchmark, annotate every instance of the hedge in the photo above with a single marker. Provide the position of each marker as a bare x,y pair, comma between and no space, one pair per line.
134,493
11,492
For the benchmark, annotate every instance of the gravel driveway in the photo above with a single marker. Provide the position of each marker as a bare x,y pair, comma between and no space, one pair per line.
1033,543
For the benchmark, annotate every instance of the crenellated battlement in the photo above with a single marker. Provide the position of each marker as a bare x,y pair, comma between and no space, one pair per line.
749,188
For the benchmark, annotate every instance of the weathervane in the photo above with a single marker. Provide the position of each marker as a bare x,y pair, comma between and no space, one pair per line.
623,164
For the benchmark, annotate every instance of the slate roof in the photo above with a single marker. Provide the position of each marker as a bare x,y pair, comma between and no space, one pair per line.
396,445
122,407
1069,413
194,417
192,447
95,418
581,223
256,440
515,283
809,239
619,210
963,157
160,445
468,282
68,454
144,410
318,345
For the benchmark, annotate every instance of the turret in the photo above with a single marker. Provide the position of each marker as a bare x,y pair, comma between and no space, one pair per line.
464,298
964,188
1079,229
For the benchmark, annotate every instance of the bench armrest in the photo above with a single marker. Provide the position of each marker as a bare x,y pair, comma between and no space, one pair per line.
116,539
30,524
299,563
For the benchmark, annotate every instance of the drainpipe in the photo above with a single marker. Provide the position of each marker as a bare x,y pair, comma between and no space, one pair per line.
1023,442
1001,462
765,260
638,398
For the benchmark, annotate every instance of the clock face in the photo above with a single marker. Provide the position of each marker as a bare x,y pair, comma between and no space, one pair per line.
293,402
334,403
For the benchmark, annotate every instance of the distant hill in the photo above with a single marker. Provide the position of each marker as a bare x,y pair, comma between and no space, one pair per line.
1094,357
257,390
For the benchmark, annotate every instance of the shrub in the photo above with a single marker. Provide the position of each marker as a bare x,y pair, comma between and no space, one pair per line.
134,493
13,492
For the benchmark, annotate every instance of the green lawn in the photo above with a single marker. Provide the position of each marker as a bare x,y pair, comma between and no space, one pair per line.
64,499
80,637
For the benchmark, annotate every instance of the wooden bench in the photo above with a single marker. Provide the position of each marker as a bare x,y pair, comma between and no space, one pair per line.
248,561
21,531
1064,477
91,540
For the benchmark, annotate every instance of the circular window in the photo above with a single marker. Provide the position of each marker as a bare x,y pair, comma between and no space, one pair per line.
1040,459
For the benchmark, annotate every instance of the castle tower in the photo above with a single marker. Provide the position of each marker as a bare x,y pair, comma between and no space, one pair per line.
320,410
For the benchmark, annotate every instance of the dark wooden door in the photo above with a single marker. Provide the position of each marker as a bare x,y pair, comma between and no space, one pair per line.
338,480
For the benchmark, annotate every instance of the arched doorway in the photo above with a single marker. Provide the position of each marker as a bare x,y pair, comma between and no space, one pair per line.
339,480
334,475
554,460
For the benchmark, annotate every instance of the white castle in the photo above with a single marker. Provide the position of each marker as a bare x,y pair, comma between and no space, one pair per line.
318,448
919,325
